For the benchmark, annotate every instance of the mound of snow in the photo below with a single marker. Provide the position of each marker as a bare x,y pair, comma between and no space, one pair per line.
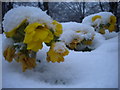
33,14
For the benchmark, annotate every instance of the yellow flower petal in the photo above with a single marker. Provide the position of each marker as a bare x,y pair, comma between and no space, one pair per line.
9,54
58,28
102,31
49,37
96,17
87,42
27,62
13,31
111,28
40,34
74,43
29,37
112,20
31,27
35,46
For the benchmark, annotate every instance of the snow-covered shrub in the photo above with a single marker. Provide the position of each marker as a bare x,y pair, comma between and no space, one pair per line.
103,22
29,28
78,36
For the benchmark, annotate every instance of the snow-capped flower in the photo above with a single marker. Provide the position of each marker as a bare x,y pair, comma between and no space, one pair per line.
27,62
107,21
36,34
58,28
77,34
9,53
56,52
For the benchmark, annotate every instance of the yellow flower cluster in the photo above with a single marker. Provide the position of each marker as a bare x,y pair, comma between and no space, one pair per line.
27,62
56,56
110,26
75,42
36,34
9,53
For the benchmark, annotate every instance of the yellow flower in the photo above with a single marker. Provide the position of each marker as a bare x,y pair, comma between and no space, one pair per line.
36,34
9,53
111,28
78,31
58,28
96,17
106,27
74,43
56,56
12,32
27,62
87,42
112,19
102,31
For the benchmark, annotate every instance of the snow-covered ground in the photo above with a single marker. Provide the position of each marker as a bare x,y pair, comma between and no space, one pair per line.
96,69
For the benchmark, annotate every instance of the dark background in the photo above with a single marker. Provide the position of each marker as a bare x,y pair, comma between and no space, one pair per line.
69,11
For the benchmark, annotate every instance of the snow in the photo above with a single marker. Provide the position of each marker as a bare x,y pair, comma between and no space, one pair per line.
9,41
95,69
33,14
60,47
104,18
109,35
97,41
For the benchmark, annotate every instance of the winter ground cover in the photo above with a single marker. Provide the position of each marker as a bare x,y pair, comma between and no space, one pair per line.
95,69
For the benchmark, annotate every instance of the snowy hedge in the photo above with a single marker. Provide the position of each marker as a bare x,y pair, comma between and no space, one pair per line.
28,28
